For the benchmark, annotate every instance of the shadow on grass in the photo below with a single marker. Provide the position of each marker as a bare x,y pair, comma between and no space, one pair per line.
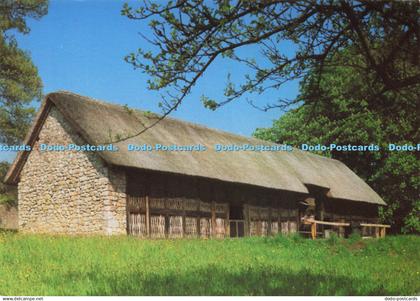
8,231
215,281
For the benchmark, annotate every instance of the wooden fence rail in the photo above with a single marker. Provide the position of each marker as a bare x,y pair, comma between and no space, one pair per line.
380,229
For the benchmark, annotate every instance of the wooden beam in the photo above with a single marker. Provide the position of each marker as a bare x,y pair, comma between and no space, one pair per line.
198,221
375,225
341,230
198,225
167,224
290,220
311,221
313,230
380,230
163,211
227,222
183,225
147,216
127,214
167,218
248,221
319,215
213,219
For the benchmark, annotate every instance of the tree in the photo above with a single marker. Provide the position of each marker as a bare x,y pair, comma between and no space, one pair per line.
358,63
345,115
8,194
188,36
19,80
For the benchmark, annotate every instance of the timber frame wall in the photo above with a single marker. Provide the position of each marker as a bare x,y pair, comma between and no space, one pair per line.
342,211
162,205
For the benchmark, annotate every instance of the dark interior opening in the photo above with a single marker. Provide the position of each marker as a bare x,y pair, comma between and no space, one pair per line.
237,222
237,228
236,212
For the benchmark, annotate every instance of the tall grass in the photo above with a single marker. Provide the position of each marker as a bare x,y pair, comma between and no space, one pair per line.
59,265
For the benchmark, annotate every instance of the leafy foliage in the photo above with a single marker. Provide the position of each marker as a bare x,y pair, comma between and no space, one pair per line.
19,80
358,62
347,112
188,36
8,194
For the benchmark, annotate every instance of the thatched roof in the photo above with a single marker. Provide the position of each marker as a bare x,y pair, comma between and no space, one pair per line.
98,121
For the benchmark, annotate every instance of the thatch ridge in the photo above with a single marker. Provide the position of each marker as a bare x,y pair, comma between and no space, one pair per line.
291,171
189,123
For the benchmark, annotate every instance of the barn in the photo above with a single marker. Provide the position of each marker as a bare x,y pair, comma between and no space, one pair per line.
187,189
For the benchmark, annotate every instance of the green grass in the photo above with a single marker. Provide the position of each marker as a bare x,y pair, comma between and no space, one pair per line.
58,265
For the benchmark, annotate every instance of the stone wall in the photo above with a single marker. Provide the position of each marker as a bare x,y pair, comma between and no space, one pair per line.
69,192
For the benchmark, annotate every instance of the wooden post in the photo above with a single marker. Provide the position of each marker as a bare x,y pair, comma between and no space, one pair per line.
227,225
198,220
341,230
167,224
382,232
290,220
320,208
183,225
127,214
248,221
147,216
377,234
213,219
167,218
313,230
259,223
245,212
269,222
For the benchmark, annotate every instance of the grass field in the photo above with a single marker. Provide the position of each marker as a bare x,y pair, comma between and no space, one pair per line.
54,265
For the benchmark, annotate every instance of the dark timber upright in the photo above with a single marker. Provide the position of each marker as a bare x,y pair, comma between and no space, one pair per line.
213,219
147,216
163,205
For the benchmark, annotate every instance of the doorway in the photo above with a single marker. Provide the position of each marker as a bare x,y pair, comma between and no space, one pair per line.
236,221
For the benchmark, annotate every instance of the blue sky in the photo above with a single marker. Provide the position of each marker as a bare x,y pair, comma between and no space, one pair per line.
80,45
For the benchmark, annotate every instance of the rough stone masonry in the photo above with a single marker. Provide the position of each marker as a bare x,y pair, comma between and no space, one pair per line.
69,192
